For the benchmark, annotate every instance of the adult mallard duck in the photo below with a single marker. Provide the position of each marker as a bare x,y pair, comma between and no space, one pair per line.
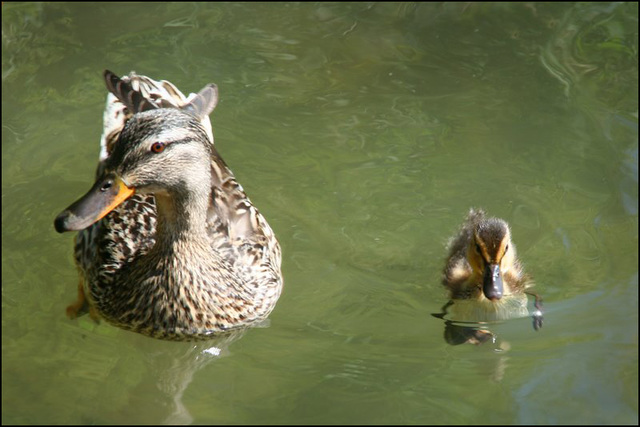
170,245
483,275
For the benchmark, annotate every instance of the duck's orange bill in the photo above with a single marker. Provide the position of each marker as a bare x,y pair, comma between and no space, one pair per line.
105,195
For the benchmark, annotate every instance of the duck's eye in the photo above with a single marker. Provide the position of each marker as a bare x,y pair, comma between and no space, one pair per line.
107,185
158,147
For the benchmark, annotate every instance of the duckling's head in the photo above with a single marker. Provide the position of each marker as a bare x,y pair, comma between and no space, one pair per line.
491,254
164,151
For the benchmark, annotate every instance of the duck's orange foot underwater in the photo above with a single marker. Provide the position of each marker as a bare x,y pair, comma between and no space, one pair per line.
81,306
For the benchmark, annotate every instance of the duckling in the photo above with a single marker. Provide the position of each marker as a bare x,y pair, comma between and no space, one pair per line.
169,244
483,274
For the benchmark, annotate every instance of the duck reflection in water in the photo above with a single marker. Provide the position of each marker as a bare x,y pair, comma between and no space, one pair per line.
485,280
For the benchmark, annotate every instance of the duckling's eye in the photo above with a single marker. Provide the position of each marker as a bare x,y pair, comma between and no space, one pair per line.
477,248
158,147
506,248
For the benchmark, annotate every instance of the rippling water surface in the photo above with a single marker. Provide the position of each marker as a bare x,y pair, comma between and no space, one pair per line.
363,132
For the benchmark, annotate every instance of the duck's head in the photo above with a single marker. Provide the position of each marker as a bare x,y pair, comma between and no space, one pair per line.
491,254
165,151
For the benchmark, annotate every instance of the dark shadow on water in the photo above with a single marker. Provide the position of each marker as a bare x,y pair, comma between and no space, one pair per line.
456,334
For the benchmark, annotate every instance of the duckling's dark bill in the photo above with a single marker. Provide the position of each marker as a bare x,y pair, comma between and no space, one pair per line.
105,195
492,282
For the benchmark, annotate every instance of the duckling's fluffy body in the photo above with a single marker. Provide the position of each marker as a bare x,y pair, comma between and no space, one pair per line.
485,279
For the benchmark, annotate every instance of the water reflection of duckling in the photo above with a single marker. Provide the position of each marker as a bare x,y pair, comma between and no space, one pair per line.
484,276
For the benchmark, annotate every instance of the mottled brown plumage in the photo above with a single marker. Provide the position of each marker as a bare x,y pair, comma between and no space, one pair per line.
170,245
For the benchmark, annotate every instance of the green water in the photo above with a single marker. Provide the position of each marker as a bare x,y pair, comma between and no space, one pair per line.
363,132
